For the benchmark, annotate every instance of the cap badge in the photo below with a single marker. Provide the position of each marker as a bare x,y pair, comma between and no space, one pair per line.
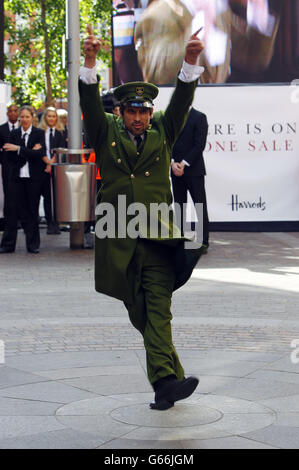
139,90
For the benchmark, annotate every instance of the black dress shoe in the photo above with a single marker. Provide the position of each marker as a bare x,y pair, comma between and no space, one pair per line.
56,229
33,250
204,249
50,229
53,229
170,391
6,250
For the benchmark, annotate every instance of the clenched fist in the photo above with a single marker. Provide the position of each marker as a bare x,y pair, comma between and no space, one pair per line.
161,37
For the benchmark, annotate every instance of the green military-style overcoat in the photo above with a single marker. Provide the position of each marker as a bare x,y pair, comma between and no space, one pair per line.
145,182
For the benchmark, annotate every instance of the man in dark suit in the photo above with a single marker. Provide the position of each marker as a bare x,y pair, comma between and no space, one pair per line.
25,150
188,168
5,129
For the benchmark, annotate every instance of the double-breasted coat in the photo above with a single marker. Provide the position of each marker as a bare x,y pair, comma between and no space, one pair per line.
141,179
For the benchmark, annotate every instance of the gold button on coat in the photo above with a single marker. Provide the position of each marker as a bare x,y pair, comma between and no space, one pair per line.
157,159
147,173
113,144
132,176
118,160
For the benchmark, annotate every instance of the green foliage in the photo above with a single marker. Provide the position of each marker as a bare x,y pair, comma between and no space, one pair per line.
27,59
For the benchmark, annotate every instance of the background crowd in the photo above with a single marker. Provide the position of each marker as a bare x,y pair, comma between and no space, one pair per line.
27,151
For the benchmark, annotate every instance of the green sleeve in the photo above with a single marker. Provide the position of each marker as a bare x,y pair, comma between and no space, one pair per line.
94,118
177,111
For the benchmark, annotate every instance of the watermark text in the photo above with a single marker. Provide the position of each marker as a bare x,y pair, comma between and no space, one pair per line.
295,353
153,221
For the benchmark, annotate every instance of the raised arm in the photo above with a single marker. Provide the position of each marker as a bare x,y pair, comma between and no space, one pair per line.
90,100
177,110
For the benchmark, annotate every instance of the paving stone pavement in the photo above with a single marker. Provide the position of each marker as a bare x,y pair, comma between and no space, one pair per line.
72,368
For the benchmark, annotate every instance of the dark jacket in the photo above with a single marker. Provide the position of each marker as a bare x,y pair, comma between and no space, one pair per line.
191,144
33,157
58,139
4,134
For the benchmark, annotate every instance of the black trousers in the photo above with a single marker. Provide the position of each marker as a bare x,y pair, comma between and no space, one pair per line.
5,183
47,195
23,198
196,186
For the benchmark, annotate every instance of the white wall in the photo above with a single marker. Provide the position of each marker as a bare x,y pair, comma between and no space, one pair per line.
5,96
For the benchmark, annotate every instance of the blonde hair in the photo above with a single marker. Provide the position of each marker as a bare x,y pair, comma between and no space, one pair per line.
43,123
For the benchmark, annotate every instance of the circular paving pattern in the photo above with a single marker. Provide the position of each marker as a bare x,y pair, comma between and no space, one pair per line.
139,415
200,417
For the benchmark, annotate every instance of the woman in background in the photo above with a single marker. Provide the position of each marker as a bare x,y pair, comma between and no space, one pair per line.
53,128
25,150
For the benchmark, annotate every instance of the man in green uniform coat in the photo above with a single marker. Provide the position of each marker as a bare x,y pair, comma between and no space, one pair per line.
131,263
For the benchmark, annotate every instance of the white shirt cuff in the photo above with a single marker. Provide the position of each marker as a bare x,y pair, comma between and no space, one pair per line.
186,163
190,73
88,76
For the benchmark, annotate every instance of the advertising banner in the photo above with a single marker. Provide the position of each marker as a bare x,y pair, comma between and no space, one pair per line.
251,59
246,41
252,151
